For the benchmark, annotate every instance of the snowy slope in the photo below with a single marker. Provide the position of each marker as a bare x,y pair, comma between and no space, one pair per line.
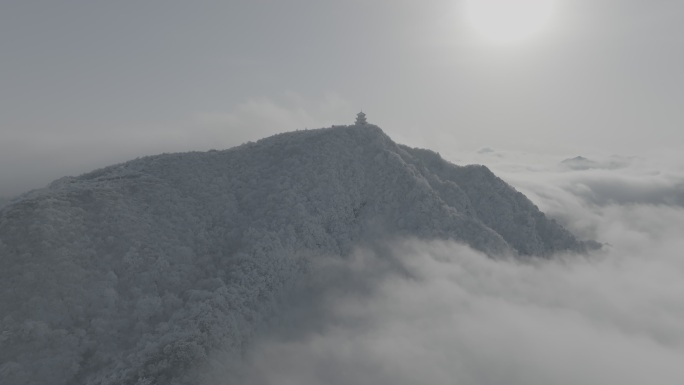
4,201
134,273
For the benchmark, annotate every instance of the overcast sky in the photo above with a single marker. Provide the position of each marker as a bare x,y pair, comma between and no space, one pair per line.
84,84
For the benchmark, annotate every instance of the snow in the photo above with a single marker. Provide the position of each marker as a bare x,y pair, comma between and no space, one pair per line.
137,272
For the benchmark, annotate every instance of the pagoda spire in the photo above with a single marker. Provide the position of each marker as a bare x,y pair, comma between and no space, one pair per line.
360,119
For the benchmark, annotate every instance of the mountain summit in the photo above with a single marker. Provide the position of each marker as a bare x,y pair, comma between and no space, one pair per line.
135,273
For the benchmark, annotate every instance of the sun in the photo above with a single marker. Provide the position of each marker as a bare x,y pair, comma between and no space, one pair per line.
509,21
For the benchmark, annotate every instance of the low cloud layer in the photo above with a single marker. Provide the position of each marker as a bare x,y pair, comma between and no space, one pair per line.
440,313
467,319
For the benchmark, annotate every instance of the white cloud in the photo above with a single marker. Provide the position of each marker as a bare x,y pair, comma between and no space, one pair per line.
441,313
467,319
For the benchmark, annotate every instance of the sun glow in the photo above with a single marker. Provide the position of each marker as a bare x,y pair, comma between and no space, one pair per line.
509,21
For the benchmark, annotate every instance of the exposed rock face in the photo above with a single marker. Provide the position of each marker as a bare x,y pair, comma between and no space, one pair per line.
134,273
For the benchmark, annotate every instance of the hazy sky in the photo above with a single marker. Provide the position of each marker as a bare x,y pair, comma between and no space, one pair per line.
84,84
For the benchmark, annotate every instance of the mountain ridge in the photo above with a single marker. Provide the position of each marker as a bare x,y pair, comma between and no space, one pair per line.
141,269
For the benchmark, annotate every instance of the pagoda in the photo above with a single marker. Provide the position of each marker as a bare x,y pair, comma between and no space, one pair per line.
360,119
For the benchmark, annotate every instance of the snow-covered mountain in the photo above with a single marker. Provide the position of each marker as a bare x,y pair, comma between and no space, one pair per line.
135,273
4,201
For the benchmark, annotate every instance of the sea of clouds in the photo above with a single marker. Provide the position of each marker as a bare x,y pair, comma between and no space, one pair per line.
436,312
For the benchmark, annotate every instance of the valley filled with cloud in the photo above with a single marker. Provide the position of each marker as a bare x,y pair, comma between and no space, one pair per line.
441,313
149,235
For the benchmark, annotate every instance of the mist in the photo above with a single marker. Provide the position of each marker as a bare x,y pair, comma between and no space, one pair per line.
412,311
88,86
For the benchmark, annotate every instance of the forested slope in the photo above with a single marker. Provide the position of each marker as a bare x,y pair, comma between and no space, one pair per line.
135,273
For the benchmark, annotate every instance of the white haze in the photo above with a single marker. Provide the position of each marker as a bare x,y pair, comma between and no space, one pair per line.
441,313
